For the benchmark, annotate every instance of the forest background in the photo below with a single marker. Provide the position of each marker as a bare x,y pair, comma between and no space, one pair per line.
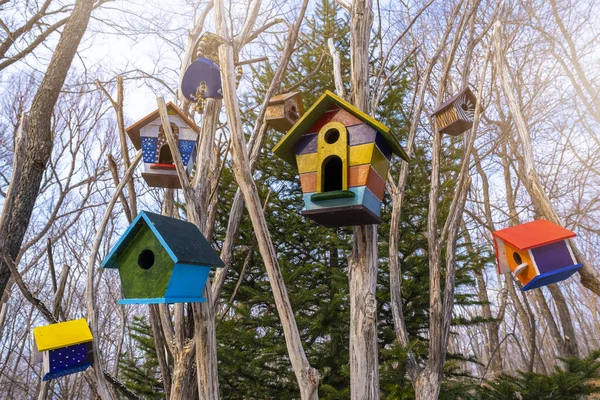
84,70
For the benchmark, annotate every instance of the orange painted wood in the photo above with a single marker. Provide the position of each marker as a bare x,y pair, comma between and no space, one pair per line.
162,166
534,234
365,175
308,182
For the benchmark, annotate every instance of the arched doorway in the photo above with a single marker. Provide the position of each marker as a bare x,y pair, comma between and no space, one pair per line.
332,174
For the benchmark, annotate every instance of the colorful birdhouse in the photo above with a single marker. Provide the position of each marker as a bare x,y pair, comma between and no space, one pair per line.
62,349
284,110
149,135
162,260
537,253
343,157
456,114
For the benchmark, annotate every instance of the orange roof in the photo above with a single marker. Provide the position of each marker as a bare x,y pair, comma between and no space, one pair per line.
134,130
534,234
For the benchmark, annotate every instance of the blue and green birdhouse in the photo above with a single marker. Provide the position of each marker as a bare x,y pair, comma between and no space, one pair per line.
162,260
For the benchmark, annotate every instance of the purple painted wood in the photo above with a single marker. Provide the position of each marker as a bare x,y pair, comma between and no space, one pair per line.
552,256
360,134
307,144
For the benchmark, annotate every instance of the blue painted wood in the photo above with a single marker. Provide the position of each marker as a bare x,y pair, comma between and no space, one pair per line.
149,149
552,256
163,300
552,277
58,374
186,147
202,70
363,196
187,281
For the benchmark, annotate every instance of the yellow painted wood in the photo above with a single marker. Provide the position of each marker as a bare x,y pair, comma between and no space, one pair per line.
63,334
307,163
357,155
327,150
380,163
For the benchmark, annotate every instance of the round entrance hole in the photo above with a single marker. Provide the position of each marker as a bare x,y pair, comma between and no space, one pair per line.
146,259
517,258
332,136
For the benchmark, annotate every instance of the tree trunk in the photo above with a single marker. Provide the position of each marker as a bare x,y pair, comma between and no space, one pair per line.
364,354
39,144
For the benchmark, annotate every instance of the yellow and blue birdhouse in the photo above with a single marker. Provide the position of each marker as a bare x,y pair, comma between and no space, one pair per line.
62,349
149,135
162,260
343,157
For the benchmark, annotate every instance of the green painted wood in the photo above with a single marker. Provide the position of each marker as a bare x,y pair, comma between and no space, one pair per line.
336,194
137,282
285,147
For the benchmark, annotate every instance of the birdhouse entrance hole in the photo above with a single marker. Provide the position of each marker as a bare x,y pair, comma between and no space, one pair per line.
146,259
332,136
165,156
517,258
332,171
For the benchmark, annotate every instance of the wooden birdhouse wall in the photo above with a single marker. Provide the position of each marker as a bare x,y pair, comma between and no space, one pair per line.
141,278
528,273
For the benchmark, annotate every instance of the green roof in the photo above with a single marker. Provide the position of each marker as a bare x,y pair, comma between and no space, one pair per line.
285,147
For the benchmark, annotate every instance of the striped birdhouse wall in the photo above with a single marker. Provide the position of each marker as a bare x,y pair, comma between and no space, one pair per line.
343,158
456,114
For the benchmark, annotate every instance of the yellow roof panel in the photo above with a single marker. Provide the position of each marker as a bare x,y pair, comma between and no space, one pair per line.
63,334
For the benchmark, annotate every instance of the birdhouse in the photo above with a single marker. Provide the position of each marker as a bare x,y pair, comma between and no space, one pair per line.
284,110
62,349
162,260
202,80
343,157
537,253
456,114
149,135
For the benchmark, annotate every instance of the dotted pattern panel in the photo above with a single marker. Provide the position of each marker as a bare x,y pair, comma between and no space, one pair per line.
185,149
69,357
149,149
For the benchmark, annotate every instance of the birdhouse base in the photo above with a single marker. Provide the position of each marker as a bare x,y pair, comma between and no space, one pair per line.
552,277
164,300
54,375
457,128
336,217
166,179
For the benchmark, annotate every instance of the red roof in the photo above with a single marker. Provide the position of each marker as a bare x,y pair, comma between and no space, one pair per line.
534,234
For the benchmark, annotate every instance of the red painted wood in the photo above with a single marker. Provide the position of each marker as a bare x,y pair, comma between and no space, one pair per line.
534,234
162,166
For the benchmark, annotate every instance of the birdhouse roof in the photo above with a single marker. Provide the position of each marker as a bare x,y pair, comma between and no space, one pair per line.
134,130
63,334
285,147
280,98
182,240
452,99
534,234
